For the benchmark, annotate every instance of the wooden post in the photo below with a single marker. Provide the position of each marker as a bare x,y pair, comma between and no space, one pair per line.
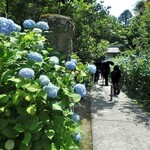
111,92
6,13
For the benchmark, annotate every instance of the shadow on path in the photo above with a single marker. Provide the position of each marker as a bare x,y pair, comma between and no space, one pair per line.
139,116
100,100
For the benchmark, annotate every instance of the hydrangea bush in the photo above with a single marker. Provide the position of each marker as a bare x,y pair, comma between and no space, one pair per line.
37,91
7,26
135,79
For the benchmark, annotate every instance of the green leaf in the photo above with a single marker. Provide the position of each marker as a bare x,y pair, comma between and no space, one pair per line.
34,122
16,98
38,128
44,116
83,73
53,147
42,94
37,136
6,75
2,109
10,132
79,78
3,123
50,133
27,138
76,97
56,106
28,97
15,80
24,147
46,144
58,120
66,92
20,84
3,98
19,128
31,109
33,88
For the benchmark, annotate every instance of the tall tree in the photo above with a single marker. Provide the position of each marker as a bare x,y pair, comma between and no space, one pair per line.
125,17
139,7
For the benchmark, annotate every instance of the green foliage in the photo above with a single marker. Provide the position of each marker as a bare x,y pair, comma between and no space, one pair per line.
87,44
95,29
27,115
135,63
136,76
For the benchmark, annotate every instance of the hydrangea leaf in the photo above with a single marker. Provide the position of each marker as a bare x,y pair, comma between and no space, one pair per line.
3,98
53,146
9,132
44,116
6,75
39,127
34,122
46,144
19,128
3,123
33,88
79,78
31,109
76,97
56,106
27,138
16,99
16,80
50,133
42,94
83,73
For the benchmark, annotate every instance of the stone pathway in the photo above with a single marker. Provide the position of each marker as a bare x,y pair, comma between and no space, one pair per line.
118,124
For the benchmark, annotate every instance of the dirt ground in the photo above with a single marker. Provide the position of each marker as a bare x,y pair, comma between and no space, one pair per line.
84,110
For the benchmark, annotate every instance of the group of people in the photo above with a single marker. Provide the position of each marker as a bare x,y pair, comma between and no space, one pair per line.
103,69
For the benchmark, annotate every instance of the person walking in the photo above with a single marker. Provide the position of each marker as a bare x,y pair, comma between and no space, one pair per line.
115,78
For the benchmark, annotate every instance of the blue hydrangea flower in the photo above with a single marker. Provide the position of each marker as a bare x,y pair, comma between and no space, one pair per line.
10,25
92,68
26,73
37,30
52,94
29,24
42,25
70,65
74,60
54,60
34,56
77,137
17,28
44,80
6,26
51,90
75,117
80,89
40,45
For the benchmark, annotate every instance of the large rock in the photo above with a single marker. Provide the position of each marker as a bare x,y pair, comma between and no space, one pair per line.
60,34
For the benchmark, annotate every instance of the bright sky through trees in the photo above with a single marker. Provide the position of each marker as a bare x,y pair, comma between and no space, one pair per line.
118,6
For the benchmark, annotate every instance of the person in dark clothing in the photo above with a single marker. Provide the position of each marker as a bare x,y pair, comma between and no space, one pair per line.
115,78
96,77
103,68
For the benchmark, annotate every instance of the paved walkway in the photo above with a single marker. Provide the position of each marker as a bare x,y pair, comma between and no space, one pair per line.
118,124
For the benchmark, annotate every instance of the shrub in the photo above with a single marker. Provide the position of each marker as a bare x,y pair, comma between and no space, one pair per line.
136,76
36,95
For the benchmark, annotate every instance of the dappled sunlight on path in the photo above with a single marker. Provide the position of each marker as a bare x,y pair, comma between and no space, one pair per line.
118,124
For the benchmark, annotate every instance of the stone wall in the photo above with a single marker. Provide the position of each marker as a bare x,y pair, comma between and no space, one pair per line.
60,34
